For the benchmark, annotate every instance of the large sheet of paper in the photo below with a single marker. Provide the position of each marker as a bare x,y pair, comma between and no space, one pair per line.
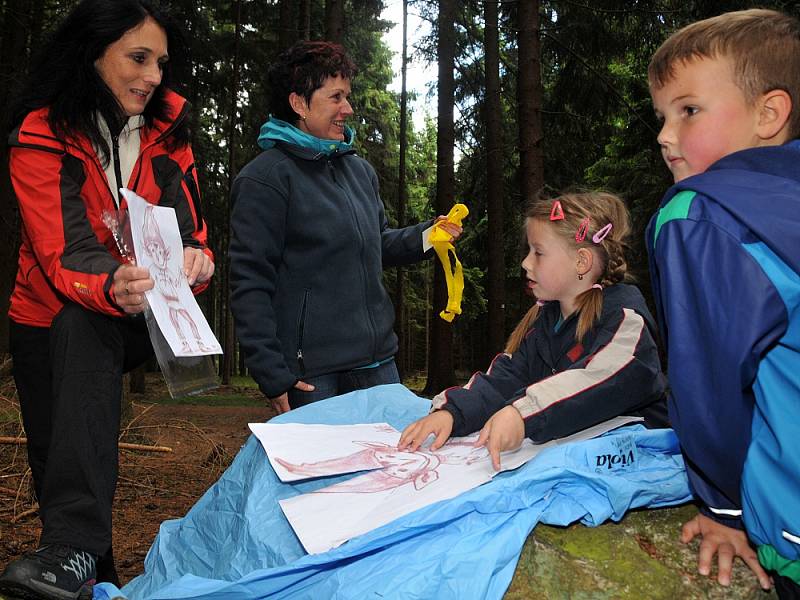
158,247
397,482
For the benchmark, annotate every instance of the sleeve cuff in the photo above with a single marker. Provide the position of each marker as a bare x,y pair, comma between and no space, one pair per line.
729,517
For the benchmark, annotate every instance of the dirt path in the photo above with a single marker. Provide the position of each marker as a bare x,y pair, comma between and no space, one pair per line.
152,486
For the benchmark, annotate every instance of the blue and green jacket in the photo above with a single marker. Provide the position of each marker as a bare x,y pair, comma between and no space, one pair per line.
725,263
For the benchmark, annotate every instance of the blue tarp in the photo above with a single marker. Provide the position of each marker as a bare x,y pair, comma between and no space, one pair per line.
235,543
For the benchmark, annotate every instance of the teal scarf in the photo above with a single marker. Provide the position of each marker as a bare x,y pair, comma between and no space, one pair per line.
275,130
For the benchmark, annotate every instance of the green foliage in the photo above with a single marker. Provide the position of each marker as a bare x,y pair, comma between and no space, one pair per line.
598,126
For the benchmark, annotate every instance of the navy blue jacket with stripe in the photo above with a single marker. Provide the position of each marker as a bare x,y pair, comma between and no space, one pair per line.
560,386
725,263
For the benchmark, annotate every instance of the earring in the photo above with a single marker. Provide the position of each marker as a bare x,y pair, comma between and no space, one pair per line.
580,276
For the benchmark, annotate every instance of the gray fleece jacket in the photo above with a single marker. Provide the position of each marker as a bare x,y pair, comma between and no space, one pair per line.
309,241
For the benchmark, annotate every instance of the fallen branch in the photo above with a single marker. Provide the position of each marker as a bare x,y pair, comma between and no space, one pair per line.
25,513
143,447
21,441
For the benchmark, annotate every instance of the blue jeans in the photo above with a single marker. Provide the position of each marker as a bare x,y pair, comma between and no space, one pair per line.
334,384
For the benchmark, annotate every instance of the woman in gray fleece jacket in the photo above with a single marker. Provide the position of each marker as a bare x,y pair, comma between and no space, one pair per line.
310,240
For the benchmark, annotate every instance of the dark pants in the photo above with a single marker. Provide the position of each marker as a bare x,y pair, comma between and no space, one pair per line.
787,589
69,382
333,384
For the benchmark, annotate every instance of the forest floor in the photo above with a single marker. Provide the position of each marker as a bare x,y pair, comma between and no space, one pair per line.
204,436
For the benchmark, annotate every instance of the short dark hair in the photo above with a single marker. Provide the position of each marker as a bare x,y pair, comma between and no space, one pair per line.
303,69
764,46
63,76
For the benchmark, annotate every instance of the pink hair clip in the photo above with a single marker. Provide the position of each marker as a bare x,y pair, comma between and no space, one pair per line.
601,235
583,228
597,286
556,213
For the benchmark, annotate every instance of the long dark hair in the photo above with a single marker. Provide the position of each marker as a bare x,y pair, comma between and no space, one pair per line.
303,69
63,76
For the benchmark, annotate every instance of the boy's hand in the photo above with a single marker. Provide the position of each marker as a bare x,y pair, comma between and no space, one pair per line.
504,431
439,423
726,543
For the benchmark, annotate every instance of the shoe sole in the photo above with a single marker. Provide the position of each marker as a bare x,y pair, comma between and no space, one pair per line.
13,591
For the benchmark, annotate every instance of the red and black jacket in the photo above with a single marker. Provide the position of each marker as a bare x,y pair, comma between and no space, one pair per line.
67,254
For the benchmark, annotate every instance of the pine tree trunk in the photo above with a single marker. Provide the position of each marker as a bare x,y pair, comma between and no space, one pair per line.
494,188
304,19
287,28
440,357
334,20
16,20
402,198
229,342
529,101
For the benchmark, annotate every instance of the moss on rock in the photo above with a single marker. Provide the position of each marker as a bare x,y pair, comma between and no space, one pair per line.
640,557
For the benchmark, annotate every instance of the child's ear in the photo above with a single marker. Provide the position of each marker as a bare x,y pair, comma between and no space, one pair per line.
774,113
585,260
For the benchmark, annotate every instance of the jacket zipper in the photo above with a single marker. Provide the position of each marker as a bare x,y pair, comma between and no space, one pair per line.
354,215
300,329
117,167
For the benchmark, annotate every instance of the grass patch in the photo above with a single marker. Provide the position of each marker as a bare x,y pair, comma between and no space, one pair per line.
232,399
242,391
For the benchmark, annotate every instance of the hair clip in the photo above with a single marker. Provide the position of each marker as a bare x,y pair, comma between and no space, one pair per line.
601,235
583,228
597,286
556,213
540,303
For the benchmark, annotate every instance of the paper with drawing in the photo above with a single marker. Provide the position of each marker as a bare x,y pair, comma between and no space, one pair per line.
397,482
158,247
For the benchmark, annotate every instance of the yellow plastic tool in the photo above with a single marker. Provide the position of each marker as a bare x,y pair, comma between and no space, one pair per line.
454,275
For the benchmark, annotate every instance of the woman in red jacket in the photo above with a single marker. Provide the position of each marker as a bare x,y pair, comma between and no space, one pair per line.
95,115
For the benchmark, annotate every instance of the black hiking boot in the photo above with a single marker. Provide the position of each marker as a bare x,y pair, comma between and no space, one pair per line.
53,572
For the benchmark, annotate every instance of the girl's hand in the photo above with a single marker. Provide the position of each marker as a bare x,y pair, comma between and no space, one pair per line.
197,266
439,423
504,431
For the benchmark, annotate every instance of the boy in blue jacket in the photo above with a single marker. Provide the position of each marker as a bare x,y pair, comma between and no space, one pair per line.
725,262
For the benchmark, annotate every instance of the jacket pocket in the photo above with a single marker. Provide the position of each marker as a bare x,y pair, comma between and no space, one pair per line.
301,326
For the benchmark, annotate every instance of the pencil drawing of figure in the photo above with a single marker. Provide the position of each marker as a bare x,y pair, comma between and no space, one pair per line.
168,279
393,467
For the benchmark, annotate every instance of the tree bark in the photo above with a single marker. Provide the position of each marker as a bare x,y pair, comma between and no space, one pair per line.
494,187
440,357
402,198
304,19
229,342
334,20
529,100
16,20
287,28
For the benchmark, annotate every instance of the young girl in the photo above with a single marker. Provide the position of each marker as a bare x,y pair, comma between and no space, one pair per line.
583,354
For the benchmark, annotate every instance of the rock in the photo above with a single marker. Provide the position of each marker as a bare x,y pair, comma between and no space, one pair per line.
640,557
